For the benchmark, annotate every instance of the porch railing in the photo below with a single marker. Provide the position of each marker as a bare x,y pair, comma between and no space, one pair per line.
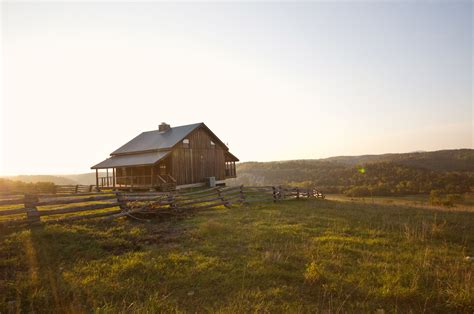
230,172
106,181
135,181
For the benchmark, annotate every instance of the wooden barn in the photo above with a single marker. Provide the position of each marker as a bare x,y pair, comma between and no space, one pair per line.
167,158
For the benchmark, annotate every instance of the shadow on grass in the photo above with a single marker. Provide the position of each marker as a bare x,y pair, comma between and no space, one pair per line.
39,254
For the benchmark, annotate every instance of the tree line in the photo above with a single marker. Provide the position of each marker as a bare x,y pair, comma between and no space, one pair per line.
8,186
378,179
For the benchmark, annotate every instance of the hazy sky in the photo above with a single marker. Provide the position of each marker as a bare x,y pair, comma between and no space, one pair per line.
274,80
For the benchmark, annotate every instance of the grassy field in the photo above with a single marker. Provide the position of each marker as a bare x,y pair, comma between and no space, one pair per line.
420,200
293,256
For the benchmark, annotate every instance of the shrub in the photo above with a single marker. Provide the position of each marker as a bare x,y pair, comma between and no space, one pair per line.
312,272
10,186
438,197
358,191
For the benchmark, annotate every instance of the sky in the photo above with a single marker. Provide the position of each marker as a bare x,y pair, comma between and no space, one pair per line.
274,80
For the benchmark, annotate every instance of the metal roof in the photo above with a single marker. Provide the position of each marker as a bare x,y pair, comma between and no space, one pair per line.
156,140
132,160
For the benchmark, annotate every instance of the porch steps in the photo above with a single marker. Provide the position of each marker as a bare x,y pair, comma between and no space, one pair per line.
166,187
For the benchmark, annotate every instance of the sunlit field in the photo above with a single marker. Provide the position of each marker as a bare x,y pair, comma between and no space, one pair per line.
297,256
421,200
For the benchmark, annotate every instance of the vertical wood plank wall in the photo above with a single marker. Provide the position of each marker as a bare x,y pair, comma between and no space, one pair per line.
200,160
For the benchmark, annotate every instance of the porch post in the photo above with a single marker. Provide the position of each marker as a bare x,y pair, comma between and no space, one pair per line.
97,179
151,180
107,176
113,177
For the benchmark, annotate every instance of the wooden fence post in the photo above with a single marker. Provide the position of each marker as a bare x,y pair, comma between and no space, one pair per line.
171,200
32,214
297,193
122,204
274,194
242,195
221,197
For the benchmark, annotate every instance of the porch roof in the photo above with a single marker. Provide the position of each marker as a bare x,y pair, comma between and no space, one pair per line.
142,159
230,157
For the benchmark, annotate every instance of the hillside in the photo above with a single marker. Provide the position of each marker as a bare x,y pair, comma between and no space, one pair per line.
84,178
392,174
389,174
58,179
442,160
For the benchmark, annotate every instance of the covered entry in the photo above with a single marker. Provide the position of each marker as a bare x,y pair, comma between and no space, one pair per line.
148,170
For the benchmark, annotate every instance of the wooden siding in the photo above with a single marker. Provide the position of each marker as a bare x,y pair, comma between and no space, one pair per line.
200,160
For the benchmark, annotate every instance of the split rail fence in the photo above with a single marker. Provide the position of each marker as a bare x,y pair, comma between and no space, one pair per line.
31,208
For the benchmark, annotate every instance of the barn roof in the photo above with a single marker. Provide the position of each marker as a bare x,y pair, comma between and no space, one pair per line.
149,147
141,159
156,140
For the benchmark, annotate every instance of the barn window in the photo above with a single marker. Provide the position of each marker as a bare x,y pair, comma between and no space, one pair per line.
186,143
213,145
162,169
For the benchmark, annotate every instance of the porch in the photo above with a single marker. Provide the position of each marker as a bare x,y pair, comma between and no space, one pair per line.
136,171
230,169
230,161
141,178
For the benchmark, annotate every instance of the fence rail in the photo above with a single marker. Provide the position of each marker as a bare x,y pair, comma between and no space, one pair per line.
117,204
74,189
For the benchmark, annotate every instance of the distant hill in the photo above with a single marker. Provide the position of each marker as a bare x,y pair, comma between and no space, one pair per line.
84,178
442,160
451,171
41,178
386,174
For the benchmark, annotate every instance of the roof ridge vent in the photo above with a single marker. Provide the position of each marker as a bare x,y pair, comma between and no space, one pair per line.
163,127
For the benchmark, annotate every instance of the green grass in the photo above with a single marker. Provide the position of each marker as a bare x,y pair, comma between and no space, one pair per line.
293,256
58,206
420,200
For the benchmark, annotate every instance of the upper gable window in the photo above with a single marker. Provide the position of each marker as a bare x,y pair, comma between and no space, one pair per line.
186,143
213,145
